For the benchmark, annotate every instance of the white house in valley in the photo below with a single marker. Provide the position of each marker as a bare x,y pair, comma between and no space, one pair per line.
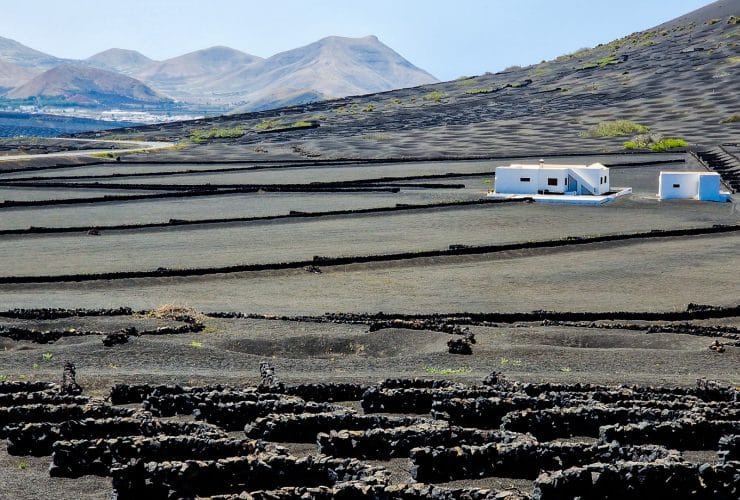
703,186
553,183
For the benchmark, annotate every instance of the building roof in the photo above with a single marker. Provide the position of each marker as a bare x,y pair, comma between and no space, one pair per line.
554,166
678,172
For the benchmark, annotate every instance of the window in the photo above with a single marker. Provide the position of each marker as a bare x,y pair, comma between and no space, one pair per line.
523,179
675,186
565,181
552,181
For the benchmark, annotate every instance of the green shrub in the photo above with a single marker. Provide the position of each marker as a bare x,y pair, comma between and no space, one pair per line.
731,119
446,371
369,108
435,96
615,128
486,90
604,61
669,143
268,123
199,136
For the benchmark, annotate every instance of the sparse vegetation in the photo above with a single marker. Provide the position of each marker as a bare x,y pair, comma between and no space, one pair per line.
447,371
712,21
486,90
369,108
733,60
47,356
195,343
566,369
733,20
3,378
465,81
655,142
199,136
604,61
268,123
378,136
435,96
731,119
23,465
615,128
175,312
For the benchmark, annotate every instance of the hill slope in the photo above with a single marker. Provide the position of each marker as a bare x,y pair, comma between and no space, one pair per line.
87,85
12,75
681,79
127,62
26,57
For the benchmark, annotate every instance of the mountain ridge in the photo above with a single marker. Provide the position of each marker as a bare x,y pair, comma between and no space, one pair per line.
331,67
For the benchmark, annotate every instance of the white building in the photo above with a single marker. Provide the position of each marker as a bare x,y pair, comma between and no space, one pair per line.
585,184
546,179
703,186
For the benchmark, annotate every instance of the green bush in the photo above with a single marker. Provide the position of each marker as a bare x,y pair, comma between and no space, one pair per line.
216,133
435,96
369,108
731,119
268,123
486,90
605,61
669,143
615,128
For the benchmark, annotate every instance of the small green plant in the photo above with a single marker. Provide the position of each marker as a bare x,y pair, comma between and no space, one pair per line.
733,60
35,366
434,96
268,123
378,136
733,20
486,90
47,356
369,108
195,343
516,362
504,361
465,81
199,136
112,365
446,371
600,63
302,124
23,465
669,143
712,21
209,329
615,128
566,369
3,378
731,119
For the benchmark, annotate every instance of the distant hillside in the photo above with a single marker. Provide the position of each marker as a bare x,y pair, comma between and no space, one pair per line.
12,75
127,62
188,75
86,85
681,79
221,76
26,57
331,67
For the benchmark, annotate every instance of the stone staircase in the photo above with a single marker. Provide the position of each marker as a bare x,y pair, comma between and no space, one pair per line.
724,163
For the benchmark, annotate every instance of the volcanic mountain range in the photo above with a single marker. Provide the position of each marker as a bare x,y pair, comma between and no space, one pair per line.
329,68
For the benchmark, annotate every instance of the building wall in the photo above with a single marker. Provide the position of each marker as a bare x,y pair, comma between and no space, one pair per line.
594,177
678,185
508,180
709,187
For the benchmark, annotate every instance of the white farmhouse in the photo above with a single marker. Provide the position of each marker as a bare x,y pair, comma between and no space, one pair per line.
703,186
556,183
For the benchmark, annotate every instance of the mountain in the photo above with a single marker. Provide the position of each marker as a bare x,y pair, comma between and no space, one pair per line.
26,57
12,75
681,79
86,85
127,62
186,75
331,67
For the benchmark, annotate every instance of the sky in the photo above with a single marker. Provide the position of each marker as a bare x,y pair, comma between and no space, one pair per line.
448,38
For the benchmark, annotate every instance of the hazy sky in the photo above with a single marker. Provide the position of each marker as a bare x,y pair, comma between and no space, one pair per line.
448,38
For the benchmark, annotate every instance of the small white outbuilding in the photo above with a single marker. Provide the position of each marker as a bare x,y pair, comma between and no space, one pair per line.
704,186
